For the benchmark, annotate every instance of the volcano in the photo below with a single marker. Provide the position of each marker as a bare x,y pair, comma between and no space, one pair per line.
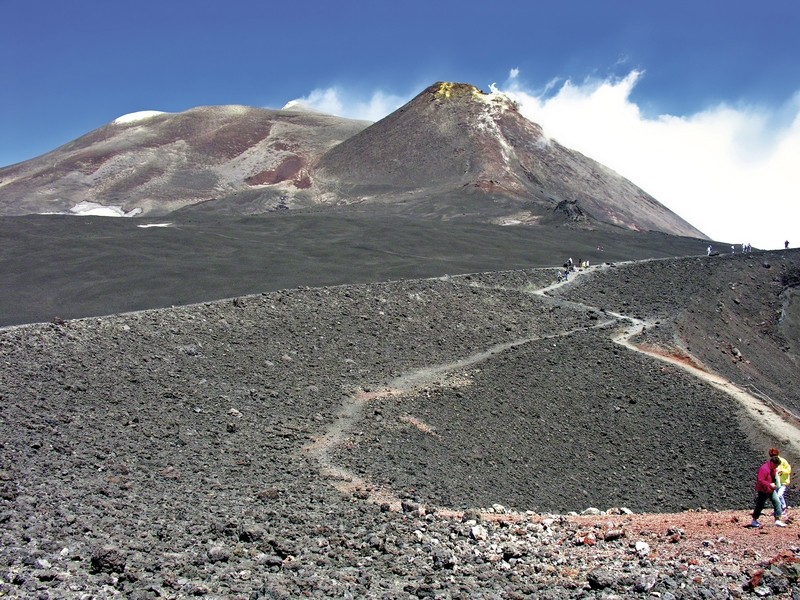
453,152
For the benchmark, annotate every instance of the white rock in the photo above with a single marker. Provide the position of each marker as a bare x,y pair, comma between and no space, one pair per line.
478,532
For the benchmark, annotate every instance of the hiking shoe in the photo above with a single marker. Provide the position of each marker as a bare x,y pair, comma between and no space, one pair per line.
779,523
754,524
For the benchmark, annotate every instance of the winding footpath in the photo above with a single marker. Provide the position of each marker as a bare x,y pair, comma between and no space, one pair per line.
354,407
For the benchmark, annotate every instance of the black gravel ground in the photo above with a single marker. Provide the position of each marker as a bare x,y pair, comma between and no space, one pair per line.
171,453
562,424
67,267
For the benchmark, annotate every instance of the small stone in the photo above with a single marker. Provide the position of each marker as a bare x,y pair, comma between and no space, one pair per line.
268,494
471,515
251,533
108,560
443,558
645,582
218,554
600,578
479,533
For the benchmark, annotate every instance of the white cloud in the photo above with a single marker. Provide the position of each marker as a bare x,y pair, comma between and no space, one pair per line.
728,171
336,101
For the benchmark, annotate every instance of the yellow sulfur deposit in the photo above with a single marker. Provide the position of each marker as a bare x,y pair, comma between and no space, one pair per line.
447,90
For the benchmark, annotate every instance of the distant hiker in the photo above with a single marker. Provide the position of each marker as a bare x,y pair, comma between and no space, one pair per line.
786,245
709,250
765,486
783,476
569,262
559,276
744,248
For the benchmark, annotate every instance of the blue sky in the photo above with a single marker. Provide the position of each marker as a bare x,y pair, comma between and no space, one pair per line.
695,101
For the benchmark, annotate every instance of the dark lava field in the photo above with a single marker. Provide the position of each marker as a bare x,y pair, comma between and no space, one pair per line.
309,442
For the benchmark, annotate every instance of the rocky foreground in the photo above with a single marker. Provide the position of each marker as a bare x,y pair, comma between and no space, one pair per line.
433,438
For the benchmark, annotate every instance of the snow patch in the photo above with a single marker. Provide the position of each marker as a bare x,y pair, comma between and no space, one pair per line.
148,225
137,116
93,209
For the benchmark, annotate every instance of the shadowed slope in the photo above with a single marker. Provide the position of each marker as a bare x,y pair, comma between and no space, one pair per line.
737,313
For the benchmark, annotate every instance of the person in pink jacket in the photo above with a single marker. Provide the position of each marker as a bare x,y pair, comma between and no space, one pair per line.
784,477
765,486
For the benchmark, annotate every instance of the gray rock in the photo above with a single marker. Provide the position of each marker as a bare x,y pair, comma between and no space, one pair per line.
218,554
251,532
601,578
443,558
645,582
108,560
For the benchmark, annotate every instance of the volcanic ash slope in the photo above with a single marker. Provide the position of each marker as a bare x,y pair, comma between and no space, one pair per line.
182,451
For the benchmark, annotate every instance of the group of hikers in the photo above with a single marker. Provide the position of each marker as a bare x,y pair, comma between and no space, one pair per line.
569,266
746,249
771,481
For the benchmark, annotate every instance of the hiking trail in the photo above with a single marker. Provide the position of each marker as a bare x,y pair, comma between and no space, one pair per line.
354,407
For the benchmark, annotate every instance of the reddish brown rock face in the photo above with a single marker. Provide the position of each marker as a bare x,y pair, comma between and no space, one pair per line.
170,161
288,170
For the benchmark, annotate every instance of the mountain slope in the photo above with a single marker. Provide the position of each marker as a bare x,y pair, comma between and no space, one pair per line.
451,152
162,162
463,153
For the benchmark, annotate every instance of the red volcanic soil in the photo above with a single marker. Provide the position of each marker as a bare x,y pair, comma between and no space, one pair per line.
290,169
